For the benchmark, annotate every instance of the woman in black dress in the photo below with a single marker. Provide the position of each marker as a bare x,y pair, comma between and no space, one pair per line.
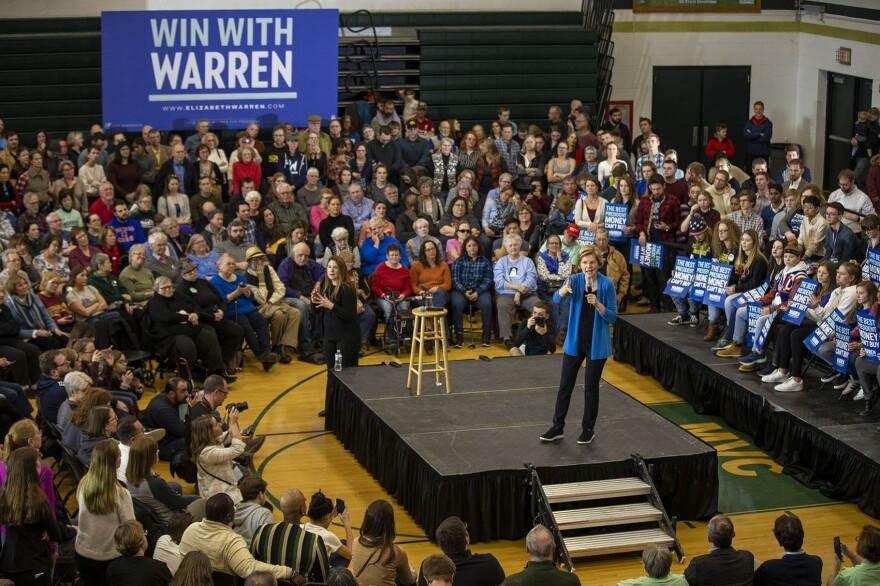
337,303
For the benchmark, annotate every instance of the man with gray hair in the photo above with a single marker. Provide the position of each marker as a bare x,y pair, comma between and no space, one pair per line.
261,579
540,569
301,276
159,260
723,565
56,228
657,560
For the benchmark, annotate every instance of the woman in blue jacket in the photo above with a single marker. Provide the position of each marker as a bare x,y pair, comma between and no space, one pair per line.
593,310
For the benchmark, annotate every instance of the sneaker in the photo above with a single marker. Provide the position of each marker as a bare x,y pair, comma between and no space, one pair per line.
553,434
459,341
777,376
721,345
869,407
753,358
790,386
733,350
849,390
767,369
508,343
677,321
842,383
586,437
487,339
860,395
643,301
830,377
693,321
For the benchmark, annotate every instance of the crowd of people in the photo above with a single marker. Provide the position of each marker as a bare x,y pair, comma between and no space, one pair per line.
166,245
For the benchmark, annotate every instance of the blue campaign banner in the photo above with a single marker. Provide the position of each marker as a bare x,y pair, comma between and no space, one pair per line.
795,223
233,67
761,337
754,312
616,216
868,333
701,277
872,265
750,295
716,284
823,331
680,282
586,237
841,347
800,301
650,257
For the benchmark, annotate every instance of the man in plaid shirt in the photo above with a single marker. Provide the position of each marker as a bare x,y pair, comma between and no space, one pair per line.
747,217
656,220
508,148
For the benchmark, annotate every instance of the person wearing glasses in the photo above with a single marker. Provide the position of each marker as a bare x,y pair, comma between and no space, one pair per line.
840,241
854,200
865,560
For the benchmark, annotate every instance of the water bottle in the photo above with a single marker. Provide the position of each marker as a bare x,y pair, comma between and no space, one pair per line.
337,361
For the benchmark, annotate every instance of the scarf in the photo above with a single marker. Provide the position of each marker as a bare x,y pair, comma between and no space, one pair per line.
552,263
28,312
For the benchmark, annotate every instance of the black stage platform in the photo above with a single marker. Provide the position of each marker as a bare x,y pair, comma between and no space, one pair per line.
819,440
463,454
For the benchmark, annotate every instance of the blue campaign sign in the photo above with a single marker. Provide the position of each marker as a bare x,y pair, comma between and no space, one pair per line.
651,256
701,277
824,330
800,301
754,312
872,265
868,334
586,237
716,284
761,336
750,295
232,67
795,222
616,216
680,282
841,347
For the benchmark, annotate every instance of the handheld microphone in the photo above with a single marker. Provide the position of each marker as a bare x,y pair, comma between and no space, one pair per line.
589,286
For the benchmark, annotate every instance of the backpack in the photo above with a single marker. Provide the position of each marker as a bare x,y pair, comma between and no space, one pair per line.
153,526
183,467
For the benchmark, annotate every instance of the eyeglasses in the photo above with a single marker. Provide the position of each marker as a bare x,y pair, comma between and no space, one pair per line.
462,231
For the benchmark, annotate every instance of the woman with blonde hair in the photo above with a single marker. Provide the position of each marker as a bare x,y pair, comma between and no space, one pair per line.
144,484
195,570
103,506
26,434
217,155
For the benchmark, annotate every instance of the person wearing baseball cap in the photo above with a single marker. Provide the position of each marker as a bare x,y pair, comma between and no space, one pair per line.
426,126
269,292
415,150
324,141
570,244
700,246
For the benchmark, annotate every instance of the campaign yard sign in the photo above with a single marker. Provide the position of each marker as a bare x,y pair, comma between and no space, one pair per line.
754,312
650,256
701,277
842,339
586,237
750,296
716,284
616,215
868,332
800,301
824,330
232,67
680,282
872,265
761,336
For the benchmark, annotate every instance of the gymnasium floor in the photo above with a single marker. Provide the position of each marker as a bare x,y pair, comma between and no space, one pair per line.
284,404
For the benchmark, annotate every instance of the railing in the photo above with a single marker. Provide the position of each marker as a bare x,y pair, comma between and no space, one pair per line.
667,523
598,15
541,512
362,53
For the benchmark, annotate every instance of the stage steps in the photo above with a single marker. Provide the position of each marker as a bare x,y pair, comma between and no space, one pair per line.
601,517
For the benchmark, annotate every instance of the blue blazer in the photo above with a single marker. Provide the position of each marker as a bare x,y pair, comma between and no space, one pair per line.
607,295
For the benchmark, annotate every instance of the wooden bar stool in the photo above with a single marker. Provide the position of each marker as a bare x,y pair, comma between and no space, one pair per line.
429,326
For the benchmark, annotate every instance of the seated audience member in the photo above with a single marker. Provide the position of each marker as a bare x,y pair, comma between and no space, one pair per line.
301,277
128,429
430,275
865,560
403,226
516,285
163,412
288,544
437,570
168,546
161,262
841,243
657,560
92,398
414,244
163,498
54,366
203,257
472,286
511,227
269,293
134,567
375,558
226,550
251,513
392,284
75,383
103,506
536,336
100,425
260,578
454,244
795,567
214,460
723,564
540,569
341,244
380,209
195,568
373,250
459,214
477,569
335,219
321,513
37,325
553,266
136,278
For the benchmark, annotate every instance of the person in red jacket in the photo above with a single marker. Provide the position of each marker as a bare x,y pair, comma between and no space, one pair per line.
656,220
720,143
391,285
246,166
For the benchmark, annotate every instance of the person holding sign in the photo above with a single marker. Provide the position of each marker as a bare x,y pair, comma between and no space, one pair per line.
593,310
749,272
589,210
725,248
775,299
790,338
866,362
656,220
699,246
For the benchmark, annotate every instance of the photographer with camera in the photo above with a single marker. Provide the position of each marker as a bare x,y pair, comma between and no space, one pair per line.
537,336
208,402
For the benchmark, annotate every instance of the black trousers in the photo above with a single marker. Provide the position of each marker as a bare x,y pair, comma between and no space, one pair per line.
230,335
349,348
26,356
592,376
92,572
204,345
